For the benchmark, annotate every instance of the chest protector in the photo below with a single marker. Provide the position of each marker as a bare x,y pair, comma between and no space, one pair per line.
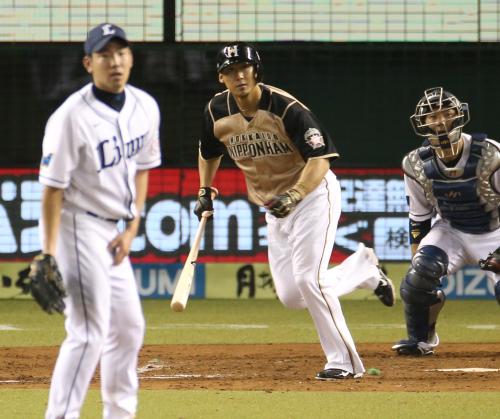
465,196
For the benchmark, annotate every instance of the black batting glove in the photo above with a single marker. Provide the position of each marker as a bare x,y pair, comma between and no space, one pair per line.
204,202
282,205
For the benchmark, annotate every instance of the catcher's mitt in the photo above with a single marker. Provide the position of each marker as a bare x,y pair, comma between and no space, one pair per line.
492,262
46,283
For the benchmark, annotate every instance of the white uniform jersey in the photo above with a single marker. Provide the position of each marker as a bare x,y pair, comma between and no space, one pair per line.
93,151
420,208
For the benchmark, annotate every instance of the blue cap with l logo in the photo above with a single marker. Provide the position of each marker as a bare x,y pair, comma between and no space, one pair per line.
98,37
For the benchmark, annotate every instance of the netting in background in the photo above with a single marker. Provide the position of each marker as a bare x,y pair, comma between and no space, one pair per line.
363,93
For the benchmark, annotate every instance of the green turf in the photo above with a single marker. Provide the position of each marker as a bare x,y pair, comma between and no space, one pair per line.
159,404
258,321
254,321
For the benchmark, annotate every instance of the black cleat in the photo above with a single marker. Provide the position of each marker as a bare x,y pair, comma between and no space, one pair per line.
385,289
413,348
332,374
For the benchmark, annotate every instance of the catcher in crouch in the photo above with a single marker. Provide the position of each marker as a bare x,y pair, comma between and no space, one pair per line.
454,178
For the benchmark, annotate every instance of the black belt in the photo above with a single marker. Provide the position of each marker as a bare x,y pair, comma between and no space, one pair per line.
111,220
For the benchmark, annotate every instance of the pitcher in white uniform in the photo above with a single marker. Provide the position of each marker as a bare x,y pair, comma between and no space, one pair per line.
97,150
285,155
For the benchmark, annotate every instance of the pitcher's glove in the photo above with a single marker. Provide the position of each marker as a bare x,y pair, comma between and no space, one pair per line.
46,283
282,205
492,262
205,201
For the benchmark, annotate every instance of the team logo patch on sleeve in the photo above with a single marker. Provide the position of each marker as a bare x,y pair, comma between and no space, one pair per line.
46,159
314,138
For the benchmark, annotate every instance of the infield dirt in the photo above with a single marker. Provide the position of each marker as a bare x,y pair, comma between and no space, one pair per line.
276,367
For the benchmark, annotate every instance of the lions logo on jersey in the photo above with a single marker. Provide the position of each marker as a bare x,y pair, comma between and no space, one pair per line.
314,138
46,159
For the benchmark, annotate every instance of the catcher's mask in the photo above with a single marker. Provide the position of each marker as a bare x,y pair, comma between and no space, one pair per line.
239,52
440,117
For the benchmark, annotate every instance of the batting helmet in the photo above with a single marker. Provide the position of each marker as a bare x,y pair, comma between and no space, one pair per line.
437,100
239,52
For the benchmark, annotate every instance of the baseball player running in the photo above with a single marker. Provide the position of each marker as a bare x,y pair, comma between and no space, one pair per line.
97,149
285,155
453,177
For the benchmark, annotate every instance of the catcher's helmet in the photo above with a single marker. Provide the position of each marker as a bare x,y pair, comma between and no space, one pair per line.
239,52
447,139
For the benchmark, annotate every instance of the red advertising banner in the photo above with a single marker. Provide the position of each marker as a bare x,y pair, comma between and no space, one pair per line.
373,203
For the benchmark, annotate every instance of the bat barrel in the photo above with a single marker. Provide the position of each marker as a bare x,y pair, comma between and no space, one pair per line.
183,288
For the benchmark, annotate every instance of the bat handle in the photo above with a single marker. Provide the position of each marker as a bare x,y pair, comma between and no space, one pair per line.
206,214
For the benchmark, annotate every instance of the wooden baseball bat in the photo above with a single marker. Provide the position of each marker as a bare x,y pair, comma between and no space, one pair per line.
183,288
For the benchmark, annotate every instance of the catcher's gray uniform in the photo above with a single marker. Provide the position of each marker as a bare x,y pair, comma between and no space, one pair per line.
452,184
462,244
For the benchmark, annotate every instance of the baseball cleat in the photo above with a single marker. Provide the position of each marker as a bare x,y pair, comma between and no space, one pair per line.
385,289
331,374
412,348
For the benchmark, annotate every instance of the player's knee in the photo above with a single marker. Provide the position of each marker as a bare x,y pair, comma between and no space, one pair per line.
421,283
305,282
97,336
136,330
132,332
291,299
430,262
91,341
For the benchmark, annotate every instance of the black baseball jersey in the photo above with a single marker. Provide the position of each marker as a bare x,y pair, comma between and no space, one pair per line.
273,147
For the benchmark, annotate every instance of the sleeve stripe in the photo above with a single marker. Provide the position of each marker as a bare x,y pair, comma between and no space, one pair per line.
421,215
51,180
325,156
210,158
210,110
149,165
288,107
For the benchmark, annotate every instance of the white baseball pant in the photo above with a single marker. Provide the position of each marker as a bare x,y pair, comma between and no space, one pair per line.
462,248
104,322
299,248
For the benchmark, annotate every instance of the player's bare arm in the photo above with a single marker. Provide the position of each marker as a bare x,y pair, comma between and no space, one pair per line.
52,200
312,174
120,245
207,170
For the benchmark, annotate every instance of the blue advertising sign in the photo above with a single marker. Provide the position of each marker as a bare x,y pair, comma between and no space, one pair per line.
159,280
468,283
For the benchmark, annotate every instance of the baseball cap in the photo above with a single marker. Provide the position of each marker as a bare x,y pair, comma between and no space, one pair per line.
98,37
